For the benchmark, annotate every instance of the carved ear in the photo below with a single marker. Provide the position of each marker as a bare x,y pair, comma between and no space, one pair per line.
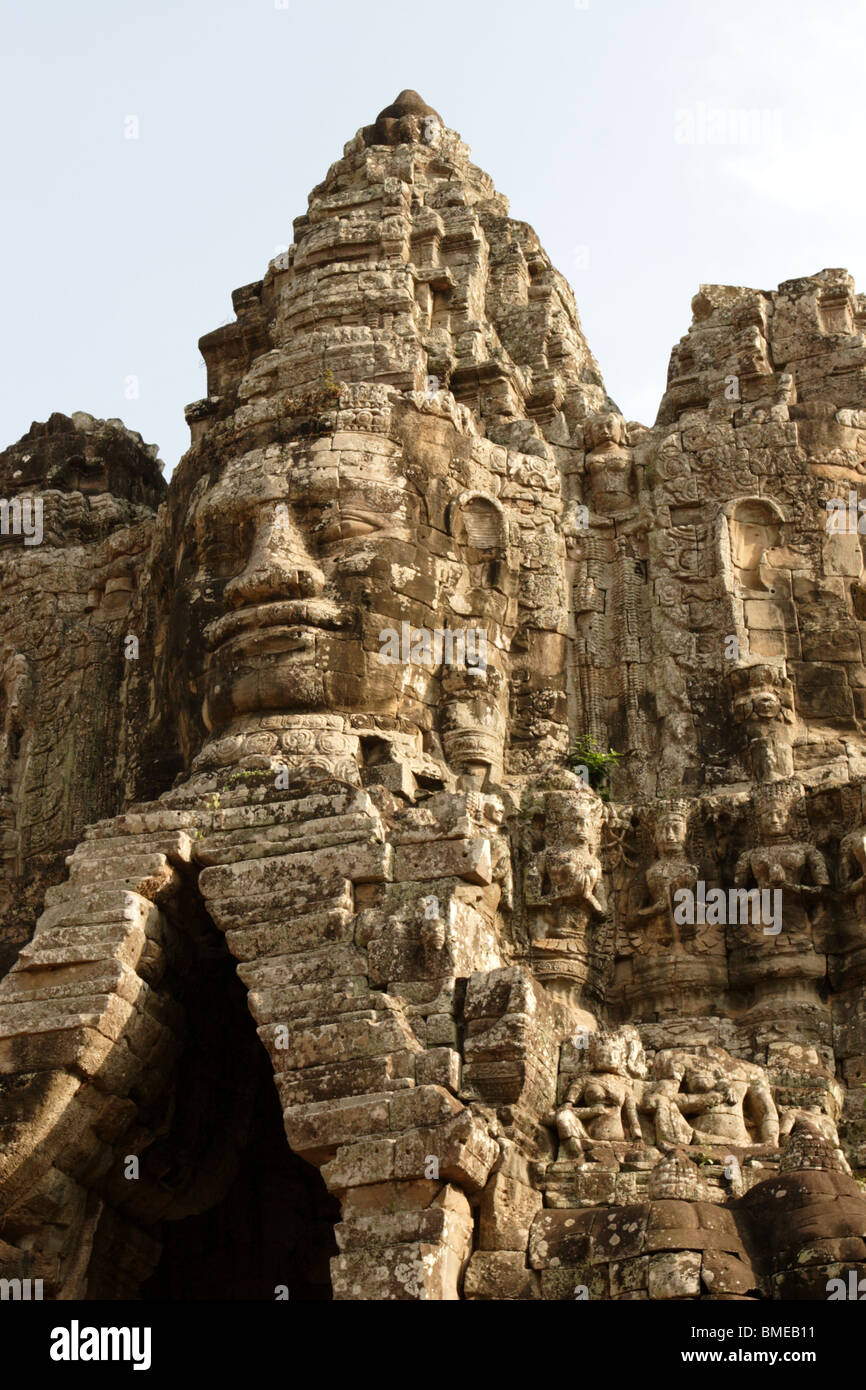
478,520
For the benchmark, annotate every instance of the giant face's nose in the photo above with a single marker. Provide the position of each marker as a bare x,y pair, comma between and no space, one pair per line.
279,566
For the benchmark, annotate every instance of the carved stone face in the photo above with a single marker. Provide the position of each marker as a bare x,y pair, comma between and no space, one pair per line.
297,560
602,430
766,704
291,550
701,1079
670,834
605,1054
773,820
667,1066
583,832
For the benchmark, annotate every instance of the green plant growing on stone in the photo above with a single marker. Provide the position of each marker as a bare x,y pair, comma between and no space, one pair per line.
586,753
307,409
245,774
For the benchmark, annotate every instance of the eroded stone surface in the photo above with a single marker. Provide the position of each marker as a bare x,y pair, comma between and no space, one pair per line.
332,860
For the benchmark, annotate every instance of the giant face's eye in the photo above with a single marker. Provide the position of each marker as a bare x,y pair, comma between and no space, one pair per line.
348,524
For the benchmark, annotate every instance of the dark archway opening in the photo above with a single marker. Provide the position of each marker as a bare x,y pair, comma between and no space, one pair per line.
247,1216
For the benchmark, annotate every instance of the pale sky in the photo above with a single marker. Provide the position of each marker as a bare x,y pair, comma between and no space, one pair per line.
617,128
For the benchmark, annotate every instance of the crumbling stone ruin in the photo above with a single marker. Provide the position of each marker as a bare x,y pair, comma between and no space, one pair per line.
340,956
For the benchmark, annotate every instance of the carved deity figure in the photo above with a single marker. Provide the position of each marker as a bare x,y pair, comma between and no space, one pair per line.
15,697
755,527
763,701
670,872
567,873
609,465
473,723
563,885
601,1106
728,1101
489,812
744,1088
852,862
852,870
780,861
852,885
668,1104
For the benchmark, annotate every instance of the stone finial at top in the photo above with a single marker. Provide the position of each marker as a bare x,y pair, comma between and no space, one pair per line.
404,120
408,103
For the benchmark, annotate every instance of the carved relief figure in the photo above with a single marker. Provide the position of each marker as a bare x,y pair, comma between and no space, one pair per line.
609,465
668,1104
852,873
727,1101
16,694
745,1115
562,885
763,701
601,1107
755,526
780,861
670,871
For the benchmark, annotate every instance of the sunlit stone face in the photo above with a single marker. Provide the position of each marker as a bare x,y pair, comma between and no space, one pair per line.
766,705
294,548
773,820
671,834
604,1054
297,559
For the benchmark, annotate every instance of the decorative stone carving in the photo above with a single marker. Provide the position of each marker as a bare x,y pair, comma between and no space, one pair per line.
657,928
781,862
852,863
609,465
726,1101
676,1179
669,1104
600,1107
332,943
755,527
473,724
763,701
813,1142
561,885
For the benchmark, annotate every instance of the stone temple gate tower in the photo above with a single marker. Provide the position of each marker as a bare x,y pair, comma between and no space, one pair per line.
339,955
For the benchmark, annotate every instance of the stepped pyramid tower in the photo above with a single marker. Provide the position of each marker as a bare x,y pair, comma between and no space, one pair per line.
432,827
